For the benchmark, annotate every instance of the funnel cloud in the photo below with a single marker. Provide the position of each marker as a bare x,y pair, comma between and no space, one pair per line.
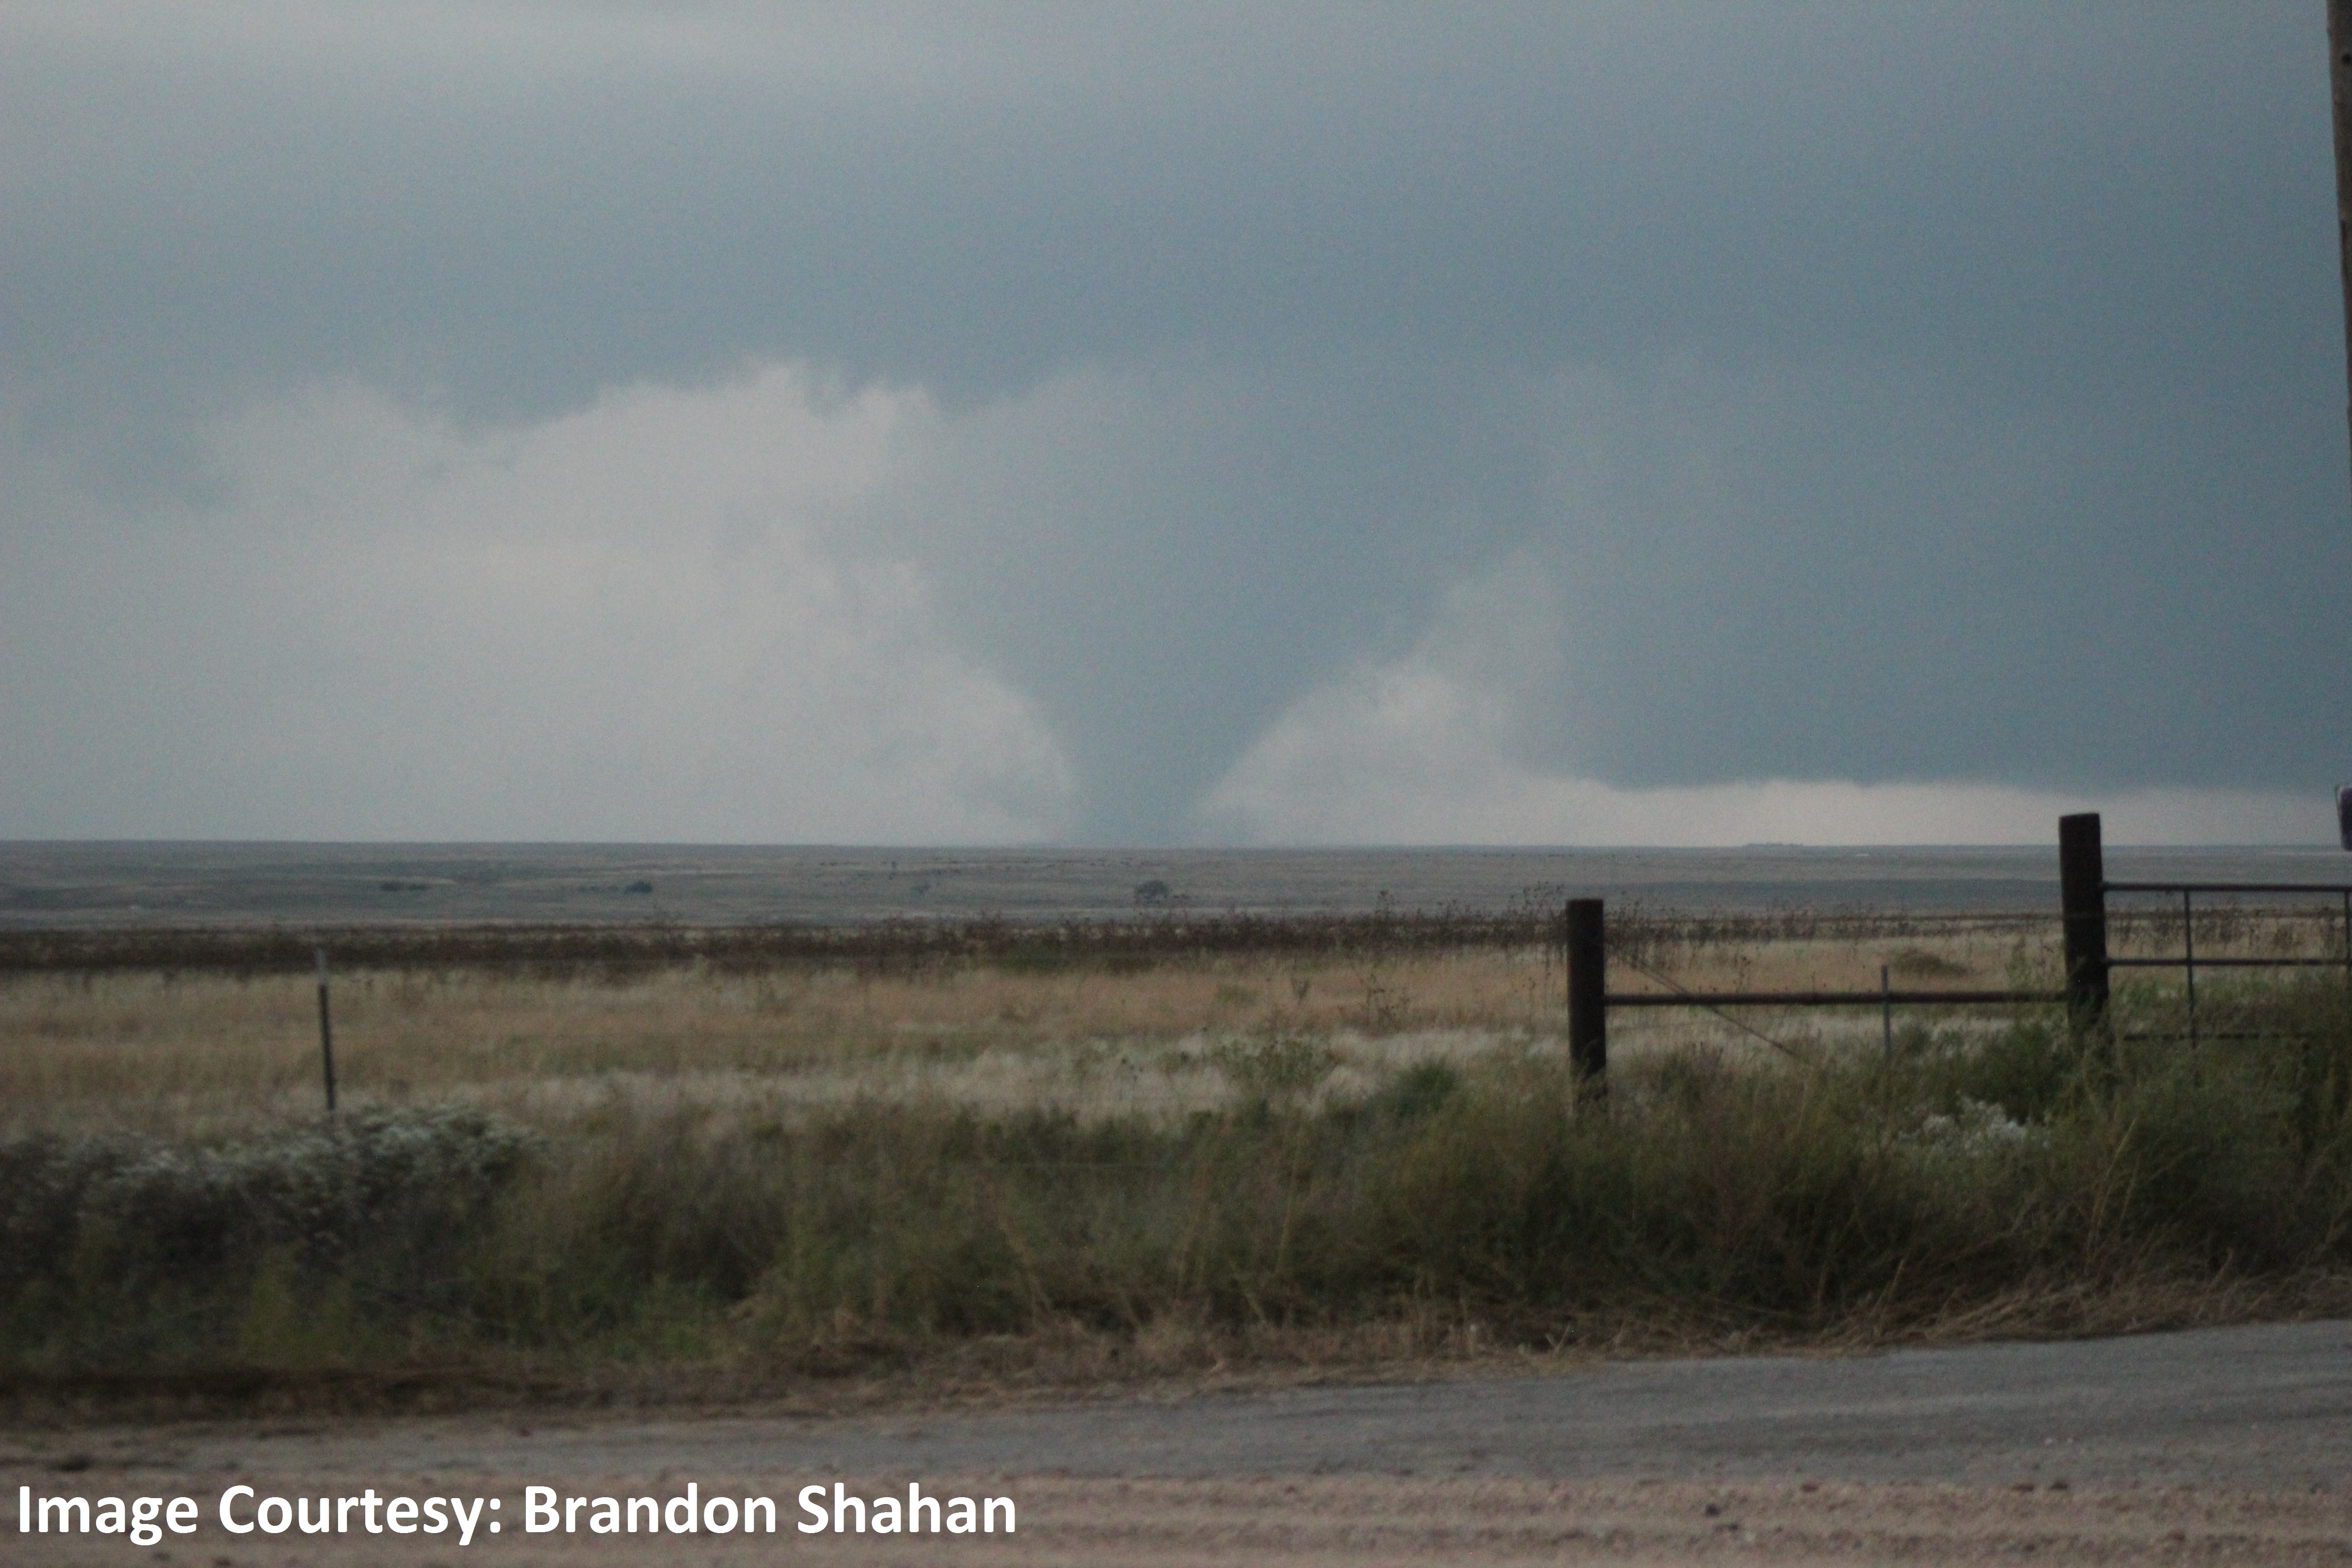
1293,424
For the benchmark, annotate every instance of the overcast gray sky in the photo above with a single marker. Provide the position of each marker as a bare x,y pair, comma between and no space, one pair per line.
1230,422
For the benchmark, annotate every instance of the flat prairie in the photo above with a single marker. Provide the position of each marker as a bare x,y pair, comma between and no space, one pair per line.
993,1161
200,1052
194,1052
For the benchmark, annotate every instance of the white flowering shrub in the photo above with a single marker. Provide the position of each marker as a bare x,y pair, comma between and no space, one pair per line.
1977,1131
391,1195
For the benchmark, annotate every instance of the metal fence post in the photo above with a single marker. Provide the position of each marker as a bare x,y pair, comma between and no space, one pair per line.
1886,1009
1588,996
2082,899
2188,959
326,1034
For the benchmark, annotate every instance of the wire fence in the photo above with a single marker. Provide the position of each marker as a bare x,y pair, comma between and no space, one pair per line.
2084,895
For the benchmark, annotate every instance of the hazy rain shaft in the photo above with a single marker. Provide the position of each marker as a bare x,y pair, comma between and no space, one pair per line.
1515,423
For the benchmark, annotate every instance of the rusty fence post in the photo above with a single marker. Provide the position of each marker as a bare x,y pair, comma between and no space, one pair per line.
1588,996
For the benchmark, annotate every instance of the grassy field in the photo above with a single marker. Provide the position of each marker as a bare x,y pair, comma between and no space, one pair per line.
206,1050
1107,1162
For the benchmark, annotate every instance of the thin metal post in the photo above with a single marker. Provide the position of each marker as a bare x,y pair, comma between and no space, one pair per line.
2083,900
2188,963
326,1033
2340,82
1886,1010
1588,995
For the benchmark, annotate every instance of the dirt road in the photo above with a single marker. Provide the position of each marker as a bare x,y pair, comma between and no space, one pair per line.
2226,1446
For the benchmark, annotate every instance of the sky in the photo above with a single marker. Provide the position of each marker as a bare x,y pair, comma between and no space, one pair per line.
1138,424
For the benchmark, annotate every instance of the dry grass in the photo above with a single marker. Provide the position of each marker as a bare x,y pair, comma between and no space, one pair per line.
187,1054
205,1053
1141,1168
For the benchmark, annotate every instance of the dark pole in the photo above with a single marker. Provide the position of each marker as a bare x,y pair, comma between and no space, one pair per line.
2340,82
2082,899
1886,1009
2339,92
326,1033
1588,997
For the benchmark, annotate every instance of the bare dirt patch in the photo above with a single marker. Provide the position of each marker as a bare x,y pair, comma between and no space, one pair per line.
2223,1446
1363,1521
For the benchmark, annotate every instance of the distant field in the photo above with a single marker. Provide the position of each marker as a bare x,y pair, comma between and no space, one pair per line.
127,886
1114,1148
177,1032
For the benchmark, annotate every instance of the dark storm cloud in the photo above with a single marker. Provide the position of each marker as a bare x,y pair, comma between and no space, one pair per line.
1918,392
973,198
